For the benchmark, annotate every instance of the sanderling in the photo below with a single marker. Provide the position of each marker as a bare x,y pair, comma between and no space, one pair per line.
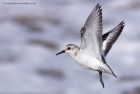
94,46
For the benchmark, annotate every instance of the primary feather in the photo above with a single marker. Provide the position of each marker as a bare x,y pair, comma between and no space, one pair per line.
91,33
110,37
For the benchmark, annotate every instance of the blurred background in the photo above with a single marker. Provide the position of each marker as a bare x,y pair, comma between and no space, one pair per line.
33,31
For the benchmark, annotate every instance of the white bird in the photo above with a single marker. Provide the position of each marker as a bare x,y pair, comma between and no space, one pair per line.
94,46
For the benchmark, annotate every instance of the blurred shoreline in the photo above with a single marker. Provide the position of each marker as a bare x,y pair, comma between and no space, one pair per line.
32,31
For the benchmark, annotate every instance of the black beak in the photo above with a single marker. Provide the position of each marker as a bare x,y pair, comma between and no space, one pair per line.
61,52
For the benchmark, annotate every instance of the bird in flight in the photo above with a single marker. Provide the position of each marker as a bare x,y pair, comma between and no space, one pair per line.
94,45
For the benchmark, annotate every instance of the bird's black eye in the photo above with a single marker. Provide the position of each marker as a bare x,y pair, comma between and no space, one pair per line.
68,48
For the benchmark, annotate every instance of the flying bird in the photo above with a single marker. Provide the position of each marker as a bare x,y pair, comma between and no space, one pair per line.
94,45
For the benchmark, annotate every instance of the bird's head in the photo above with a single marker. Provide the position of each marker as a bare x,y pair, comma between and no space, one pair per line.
70,49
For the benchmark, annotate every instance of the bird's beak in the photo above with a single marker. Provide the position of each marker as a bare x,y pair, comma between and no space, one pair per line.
61,52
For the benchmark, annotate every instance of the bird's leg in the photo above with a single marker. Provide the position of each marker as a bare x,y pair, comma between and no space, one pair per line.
101,80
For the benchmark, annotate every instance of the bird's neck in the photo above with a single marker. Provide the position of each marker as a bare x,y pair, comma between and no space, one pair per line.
75,54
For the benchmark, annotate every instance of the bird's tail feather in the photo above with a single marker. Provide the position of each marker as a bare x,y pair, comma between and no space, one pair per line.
108,70
111,71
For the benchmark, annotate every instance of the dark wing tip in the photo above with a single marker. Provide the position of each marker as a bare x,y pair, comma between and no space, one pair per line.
98,7
96,13
98,4
122,23
119,27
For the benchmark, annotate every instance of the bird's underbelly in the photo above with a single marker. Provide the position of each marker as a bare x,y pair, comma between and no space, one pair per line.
88,62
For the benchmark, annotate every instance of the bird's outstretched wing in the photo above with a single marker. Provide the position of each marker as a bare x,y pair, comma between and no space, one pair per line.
110,37
91,33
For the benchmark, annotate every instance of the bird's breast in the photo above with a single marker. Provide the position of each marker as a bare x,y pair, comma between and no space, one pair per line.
87,61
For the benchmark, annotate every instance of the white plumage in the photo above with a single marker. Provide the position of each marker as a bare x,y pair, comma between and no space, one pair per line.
94,46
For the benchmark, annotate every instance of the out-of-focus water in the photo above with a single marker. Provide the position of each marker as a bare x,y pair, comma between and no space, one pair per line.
32,33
